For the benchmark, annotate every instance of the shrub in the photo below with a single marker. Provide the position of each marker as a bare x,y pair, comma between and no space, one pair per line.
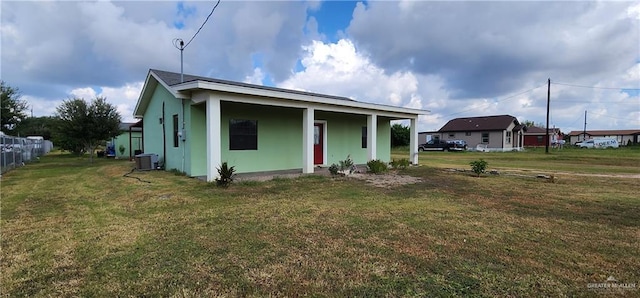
347,164
226,175
478,166
121,149
333,169
400,164
377,166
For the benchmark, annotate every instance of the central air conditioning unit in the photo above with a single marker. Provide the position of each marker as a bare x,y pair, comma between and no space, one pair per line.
146,162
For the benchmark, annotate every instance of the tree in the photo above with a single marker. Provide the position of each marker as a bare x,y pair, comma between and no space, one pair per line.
530,123
36,126
87,124
400,135
12,108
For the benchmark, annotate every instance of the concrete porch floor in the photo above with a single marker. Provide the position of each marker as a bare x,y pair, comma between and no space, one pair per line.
269,175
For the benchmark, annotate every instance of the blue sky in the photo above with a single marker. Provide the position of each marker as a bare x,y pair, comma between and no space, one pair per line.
453,58
333,18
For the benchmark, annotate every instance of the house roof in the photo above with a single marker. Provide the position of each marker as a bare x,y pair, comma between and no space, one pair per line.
172,79
534,130
294,98
484,123
606,132
124,126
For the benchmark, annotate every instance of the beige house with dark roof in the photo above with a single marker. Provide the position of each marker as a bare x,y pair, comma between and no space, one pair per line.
486,133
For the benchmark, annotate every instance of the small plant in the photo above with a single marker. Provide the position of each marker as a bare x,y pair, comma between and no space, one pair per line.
226,175
121,149
333,169
478,166
347,164
400,164
377,166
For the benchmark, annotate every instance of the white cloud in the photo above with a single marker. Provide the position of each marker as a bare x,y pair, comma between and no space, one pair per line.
86,93
338,69
256,78
124,98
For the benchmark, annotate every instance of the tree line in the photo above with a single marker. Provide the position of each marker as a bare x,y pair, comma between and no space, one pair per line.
78,125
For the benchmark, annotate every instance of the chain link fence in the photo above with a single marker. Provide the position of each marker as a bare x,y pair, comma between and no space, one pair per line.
16,151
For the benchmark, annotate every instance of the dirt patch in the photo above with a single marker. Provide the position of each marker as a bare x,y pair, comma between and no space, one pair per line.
386,180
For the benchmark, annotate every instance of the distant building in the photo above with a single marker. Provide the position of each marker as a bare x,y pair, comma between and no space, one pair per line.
426,136
535,136
622,136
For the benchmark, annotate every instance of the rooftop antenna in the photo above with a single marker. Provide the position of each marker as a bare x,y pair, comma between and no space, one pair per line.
180,45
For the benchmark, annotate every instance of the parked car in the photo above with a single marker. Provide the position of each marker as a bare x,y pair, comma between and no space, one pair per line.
440,145
461,143
599,143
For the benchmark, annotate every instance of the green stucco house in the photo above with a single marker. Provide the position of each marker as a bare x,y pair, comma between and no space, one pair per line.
195,123
130,139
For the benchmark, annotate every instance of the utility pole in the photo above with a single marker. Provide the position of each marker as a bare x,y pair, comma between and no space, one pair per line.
584,132
546,143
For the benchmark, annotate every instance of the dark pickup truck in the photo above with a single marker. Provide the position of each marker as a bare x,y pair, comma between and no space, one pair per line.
441,145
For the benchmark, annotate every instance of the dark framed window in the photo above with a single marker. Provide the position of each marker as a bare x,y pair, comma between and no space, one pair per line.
176,126
243,134
452,135
467,134
485,137
364,137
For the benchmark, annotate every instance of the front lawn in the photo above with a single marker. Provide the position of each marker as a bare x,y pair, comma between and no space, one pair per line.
70,228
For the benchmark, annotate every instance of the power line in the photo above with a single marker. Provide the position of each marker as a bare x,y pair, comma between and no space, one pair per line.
180,45
590,101
595,87
205,21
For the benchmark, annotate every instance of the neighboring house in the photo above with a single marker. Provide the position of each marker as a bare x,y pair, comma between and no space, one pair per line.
196,125
622,136
130,138
535,136
488,133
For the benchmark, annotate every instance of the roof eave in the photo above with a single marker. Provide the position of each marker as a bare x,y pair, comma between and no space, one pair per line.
213,86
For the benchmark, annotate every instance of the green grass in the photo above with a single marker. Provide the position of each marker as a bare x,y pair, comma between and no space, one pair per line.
569,159
70,228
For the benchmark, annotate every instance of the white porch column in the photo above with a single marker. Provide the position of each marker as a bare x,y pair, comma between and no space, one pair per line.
372,134
413,142
307,140
214,142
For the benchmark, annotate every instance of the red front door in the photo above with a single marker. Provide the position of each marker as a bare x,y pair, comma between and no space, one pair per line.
318,145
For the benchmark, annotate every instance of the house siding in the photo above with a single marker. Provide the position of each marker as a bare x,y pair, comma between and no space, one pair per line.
153,134
197,132
279,138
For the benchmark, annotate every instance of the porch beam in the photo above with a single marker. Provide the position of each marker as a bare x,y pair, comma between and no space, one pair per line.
372,134
214,143
413,142
307,140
